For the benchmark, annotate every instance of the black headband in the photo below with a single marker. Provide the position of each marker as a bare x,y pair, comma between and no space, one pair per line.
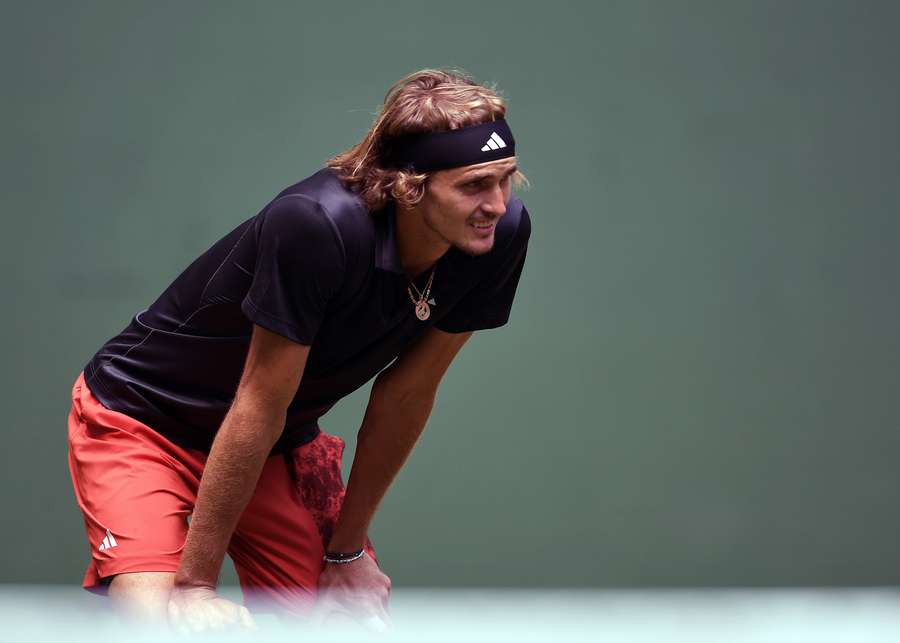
453,148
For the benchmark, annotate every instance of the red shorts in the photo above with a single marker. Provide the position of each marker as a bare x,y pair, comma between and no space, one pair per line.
136,490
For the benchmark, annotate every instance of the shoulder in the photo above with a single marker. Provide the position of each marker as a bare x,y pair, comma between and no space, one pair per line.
325,191
323,204
292,222
319,207
513,229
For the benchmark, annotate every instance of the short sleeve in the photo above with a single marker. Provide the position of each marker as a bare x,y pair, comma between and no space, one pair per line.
488,305
299,268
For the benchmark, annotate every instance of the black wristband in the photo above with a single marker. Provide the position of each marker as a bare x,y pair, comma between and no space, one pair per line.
340,557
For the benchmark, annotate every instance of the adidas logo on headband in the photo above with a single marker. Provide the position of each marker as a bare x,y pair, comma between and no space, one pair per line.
493,143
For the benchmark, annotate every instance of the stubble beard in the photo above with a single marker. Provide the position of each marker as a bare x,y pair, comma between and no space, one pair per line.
475,253
461,247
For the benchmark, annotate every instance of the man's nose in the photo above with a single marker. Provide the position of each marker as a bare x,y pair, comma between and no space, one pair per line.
496,201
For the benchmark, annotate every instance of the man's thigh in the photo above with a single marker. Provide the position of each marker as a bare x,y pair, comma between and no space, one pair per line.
142,595
276,547
135,490
280,539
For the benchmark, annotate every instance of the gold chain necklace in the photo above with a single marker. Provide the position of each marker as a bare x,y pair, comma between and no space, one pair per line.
423,310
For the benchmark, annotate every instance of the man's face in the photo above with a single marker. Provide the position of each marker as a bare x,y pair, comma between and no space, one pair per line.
462,205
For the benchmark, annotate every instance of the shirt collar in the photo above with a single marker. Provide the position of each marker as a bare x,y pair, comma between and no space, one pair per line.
386,255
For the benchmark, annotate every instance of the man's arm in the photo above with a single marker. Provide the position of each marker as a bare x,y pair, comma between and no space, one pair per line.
399,405
272,372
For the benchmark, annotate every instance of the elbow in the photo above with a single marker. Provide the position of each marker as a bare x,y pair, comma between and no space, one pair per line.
396,412
255,426
408,399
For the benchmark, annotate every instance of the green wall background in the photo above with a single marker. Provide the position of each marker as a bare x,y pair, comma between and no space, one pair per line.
699,383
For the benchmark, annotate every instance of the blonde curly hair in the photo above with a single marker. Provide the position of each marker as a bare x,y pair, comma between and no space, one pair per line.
429,100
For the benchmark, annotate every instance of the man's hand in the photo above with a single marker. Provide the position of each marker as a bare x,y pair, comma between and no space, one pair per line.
358,589
196,609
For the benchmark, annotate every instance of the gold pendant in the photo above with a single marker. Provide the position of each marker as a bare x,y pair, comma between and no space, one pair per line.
423,311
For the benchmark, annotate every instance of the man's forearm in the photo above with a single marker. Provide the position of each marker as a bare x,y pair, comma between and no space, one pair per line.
390,429
232,470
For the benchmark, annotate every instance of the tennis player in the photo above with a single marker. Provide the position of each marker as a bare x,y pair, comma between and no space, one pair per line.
195,431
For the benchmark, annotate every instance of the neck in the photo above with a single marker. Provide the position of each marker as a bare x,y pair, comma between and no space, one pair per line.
418,246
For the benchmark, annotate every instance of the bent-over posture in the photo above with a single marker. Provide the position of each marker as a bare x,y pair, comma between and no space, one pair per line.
195,431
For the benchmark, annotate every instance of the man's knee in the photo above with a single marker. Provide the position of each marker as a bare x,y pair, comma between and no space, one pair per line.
142,595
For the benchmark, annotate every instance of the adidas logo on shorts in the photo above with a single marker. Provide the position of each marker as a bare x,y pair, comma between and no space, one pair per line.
109,541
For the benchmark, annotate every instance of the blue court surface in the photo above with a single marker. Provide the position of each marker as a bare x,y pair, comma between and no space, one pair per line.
35,613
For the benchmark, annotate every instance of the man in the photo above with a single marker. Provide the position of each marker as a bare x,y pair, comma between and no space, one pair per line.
195,430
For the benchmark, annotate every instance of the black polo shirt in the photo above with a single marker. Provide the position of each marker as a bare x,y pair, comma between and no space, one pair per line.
318,268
